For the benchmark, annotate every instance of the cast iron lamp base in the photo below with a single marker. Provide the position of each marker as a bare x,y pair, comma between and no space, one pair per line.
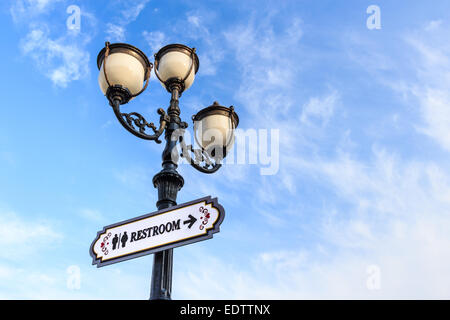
119,93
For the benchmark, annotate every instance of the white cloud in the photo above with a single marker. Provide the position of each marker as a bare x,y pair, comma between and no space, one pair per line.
195,20
268,72
268,68
431,63
155,39
385,211
396,218
269,90
319,108
60,60
51,282
22,10
115,33
27,272
432,25
21,237
132,11
421,76
435,105
197,27
129,12
14,230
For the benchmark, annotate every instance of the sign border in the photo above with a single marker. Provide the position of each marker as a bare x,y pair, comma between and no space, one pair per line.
209,233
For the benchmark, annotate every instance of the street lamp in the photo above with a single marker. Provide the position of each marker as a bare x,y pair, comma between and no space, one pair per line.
176,64
123,71
214,129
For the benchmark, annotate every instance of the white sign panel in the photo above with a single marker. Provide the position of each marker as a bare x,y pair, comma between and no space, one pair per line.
164,229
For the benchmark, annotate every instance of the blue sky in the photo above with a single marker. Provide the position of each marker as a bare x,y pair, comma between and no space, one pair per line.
358,208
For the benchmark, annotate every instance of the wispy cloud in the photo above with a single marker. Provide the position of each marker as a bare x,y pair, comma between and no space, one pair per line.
21,237
60,61
395,218
436,114
382,208
129,12
319,109
268,91
133,9
63,58
432,67
155,39
198,25
115,33
421,76
268,69
22,10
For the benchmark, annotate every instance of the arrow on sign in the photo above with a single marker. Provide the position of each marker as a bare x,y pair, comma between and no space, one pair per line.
191,221
161,230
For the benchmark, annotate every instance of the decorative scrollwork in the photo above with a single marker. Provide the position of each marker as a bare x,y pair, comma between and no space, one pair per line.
135,119
200,160
136,123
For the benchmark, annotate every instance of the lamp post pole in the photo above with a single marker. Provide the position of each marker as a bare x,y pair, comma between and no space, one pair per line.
169,182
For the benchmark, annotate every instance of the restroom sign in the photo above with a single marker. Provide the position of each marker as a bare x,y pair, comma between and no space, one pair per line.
161,230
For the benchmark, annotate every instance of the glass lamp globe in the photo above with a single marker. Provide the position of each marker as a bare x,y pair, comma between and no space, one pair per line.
214,129
126,66
176,62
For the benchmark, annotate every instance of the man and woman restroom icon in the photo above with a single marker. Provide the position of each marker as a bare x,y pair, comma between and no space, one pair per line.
123,239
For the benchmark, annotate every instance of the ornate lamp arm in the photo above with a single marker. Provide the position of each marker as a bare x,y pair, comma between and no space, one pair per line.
200,156
132,120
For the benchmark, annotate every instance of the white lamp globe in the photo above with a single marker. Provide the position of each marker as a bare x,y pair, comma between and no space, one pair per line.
126,66
214,129
176,62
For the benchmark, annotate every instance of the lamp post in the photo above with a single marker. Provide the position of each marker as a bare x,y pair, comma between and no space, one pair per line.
123,71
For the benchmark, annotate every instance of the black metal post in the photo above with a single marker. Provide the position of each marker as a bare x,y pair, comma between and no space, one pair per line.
169,182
